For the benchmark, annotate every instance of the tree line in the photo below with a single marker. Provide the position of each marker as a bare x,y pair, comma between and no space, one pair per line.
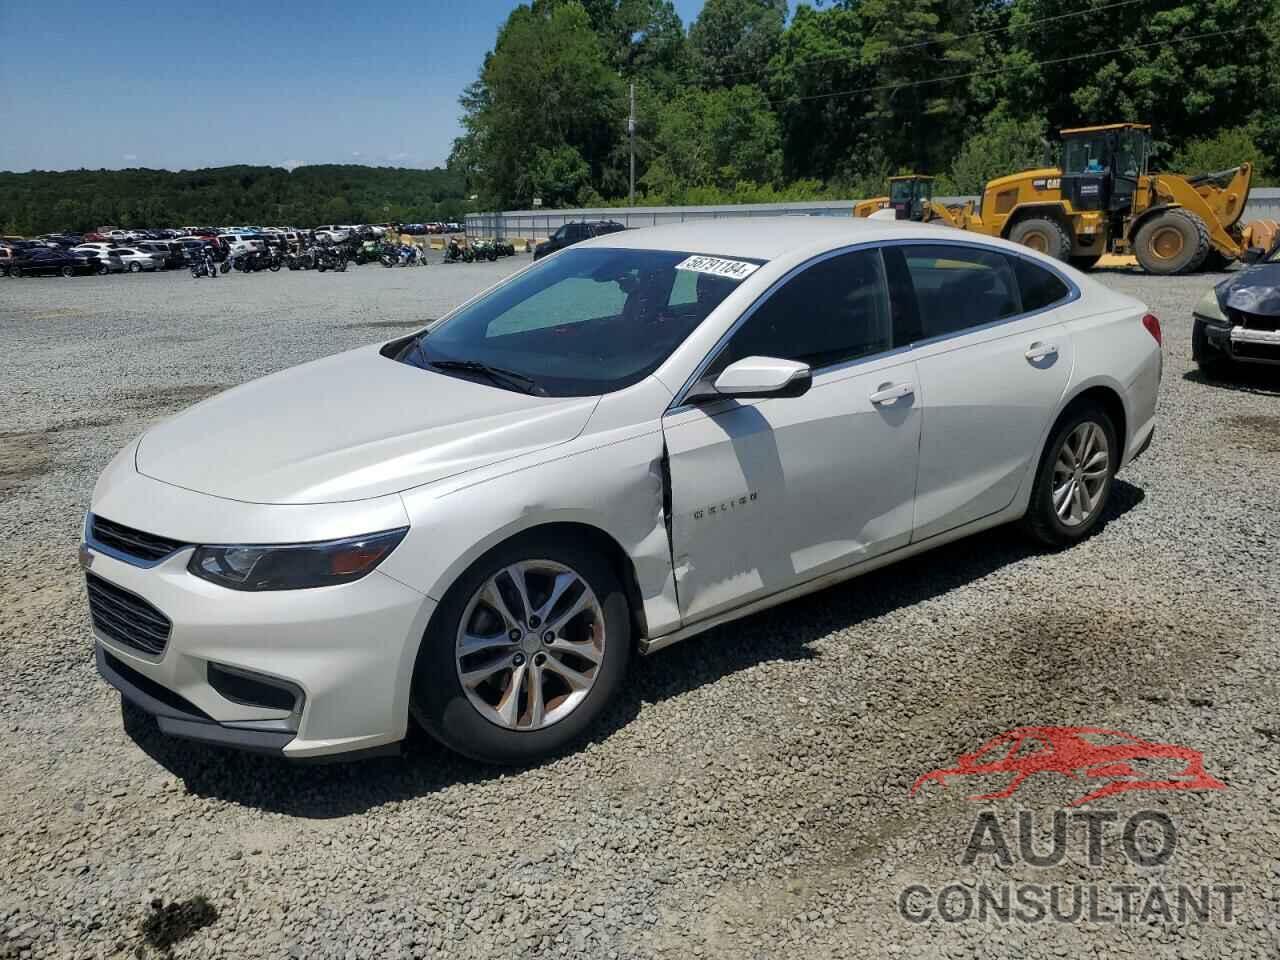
745,106
46,201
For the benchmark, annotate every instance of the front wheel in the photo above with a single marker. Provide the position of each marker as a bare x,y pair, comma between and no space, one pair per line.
135,268
103,270
1173,241
1074,478
275,266
524,652
1212,362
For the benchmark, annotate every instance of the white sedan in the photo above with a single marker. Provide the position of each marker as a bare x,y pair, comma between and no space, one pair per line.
622,445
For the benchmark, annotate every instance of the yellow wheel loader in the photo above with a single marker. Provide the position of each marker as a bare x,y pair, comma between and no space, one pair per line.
911,198
1104,200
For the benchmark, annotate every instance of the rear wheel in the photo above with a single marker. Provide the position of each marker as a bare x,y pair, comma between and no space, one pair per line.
68,271
135,268
103,270
1044,236
15,272
1173,241
524,652
1074,478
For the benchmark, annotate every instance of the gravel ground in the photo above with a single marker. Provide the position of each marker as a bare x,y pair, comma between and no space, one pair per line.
748,795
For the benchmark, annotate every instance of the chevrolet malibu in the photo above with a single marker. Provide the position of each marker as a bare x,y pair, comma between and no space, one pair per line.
640,437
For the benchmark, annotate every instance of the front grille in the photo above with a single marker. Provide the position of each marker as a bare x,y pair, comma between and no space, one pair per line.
144,546
126,618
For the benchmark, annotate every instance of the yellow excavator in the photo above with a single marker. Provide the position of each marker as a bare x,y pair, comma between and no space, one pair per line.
1103,200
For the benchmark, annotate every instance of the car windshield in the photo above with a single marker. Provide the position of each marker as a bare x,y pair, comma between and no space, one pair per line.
588,321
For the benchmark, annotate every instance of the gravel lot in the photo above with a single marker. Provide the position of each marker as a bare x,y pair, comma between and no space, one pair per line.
749,794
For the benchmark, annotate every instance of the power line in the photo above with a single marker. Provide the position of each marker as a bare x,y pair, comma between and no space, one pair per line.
995,70
756,71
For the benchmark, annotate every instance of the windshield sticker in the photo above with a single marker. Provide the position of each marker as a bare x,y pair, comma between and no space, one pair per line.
733,269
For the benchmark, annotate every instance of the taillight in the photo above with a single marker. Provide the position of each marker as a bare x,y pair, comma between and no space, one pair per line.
1152,323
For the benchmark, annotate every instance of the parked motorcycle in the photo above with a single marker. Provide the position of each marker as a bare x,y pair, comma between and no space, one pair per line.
369,251
405,255
504,247
485,250
331,258
202,265
454,251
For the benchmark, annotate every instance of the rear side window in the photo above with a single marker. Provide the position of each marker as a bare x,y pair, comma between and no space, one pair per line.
958,288
835,311
1039,287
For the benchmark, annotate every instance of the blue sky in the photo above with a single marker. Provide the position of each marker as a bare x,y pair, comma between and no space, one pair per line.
183,85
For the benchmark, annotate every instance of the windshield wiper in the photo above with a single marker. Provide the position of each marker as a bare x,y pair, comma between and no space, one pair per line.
497,374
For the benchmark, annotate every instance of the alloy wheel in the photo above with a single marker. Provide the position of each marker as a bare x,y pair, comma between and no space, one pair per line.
530,644
1080,474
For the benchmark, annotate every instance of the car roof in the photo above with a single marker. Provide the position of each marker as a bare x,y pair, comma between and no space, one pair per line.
767,238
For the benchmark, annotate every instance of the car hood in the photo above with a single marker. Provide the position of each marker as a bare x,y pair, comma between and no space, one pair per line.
350,427
1255,289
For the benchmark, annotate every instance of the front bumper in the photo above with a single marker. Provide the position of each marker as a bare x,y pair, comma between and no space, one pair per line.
347,651
1241,344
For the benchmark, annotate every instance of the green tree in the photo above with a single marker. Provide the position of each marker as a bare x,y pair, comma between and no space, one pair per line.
1002,145
1229,148
731,41
912,45
715,138
1145,65
546,85
824,128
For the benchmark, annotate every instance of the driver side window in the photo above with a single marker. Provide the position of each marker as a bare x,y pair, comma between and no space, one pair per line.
832,312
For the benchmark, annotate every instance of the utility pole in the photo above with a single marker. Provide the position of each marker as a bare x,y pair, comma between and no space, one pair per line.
631,134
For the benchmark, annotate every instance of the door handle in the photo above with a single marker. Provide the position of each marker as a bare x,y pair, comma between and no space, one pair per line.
892,391
1041,351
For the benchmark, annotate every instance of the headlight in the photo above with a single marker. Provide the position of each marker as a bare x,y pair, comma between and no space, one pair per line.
294,566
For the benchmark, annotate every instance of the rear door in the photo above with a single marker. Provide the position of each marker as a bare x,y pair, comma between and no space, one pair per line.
993,362
770,493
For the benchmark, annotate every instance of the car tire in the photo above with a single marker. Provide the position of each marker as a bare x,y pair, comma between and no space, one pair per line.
135,268
103,270
16,273
1172,241
482,720
68,271
1069,463
1044,236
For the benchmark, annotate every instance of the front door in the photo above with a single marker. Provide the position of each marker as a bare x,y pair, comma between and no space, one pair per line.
769,493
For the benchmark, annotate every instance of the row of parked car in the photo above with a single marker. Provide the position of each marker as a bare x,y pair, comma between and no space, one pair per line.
110,250
421,229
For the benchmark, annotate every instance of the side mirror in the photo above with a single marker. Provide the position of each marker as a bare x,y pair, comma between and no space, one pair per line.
764,377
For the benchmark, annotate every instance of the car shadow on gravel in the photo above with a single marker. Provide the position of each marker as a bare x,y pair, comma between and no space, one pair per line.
1244,379
787,632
